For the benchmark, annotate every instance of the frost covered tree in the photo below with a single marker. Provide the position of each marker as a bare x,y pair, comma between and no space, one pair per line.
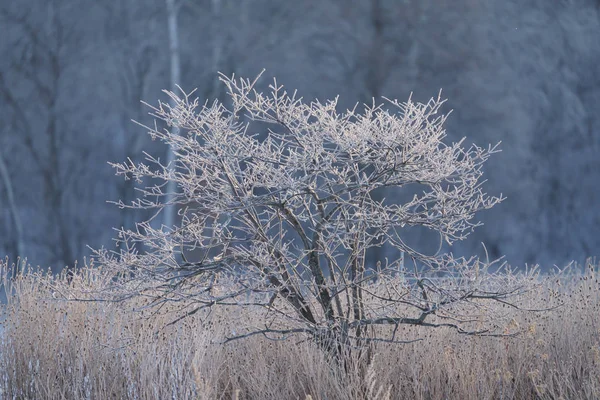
277,209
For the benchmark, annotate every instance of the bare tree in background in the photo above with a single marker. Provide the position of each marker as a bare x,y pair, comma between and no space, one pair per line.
132,30
230,36
387,46
282,225
173,7
374,39
39,67
6,180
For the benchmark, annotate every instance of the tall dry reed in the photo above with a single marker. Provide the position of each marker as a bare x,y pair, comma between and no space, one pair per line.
57,349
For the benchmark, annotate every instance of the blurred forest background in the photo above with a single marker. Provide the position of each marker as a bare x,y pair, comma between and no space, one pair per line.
524,72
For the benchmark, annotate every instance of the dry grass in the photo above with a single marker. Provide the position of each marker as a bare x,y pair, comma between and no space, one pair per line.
53,349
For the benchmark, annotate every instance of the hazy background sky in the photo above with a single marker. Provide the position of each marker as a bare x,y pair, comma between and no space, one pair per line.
524,72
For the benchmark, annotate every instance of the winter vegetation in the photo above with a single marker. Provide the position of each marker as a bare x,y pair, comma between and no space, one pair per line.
54,348
263,245
262,288
523,73
288,219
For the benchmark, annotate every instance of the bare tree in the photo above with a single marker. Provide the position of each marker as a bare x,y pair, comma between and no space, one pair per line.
173,8
283,225
229,37
380,46
132,30
12,207
40,63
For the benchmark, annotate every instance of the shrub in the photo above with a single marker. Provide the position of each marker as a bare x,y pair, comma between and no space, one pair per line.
280,205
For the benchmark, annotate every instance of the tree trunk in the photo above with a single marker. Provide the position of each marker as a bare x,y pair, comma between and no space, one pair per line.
174,55
12,208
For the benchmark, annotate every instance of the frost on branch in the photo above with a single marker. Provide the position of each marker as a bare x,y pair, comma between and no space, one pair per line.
277,214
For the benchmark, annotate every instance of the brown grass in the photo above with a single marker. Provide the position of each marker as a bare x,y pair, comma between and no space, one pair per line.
56,349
